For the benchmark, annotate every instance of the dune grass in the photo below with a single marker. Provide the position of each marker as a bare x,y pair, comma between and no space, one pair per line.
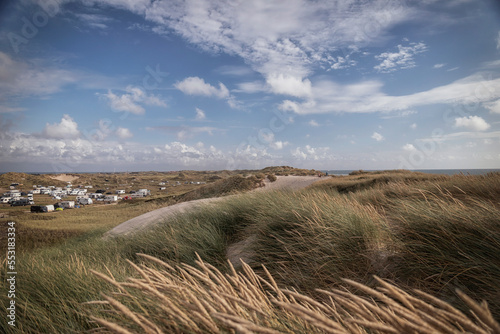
433,233
202,299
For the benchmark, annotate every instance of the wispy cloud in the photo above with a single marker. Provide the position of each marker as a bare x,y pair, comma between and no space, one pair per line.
403,59
95,21
124,133
312,122
377,136
200,115
291,46
367,96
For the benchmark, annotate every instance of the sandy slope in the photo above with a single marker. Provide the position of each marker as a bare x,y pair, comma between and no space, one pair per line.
64,177
161,215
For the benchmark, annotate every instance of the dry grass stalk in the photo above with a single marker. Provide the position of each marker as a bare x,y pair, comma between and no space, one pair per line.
203,300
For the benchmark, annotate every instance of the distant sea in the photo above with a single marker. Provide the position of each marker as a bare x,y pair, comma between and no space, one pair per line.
430,171
347,171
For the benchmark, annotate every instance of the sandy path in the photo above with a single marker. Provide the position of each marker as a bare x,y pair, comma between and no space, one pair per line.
161,215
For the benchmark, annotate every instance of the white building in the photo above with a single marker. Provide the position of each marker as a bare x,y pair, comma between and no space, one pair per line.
144,192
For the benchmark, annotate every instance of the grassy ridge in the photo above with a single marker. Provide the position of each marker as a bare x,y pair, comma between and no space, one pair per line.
436,233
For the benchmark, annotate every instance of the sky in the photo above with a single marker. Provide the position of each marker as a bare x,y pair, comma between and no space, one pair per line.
139,85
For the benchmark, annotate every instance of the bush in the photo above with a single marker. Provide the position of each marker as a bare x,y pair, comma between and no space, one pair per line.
271,177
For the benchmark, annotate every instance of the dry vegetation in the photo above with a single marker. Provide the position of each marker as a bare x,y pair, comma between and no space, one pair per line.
320,261
201,299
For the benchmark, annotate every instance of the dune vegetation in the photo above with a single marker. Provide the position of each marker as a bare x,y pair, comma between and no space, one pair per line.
379,252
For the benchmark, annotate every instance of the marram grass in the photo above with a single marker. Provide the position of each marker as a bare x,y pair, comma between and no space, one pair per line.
161,298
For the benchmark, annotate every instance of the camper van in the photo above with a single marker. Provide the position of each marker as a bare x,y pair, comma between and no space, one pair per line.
111,198
84,201
67,204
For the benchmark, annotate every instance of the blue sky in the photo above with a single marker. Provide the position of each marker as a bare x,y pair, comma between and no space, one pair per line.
103,85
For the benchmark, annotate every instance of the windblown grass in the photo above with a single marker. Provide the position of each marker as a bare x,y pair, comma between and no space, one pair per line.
435,234
201,299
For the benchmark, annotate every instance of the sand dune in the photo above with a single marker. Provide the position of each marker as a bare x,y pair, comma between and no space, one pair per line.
155,217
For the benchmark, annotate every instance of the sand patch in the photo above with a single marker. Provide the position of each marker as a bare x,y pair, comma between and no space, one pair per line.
64,177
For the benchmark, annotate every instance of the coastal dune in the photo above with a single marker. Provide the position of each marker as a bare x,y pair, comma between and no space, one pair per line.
155,217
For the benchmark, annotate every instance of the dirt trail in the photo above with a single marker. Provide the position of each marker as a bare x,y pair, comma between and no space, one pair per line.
155,217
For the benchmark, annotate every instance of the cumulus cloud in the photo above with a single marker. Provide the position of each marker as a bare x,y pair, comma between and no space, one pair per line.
403,59
66,129
198,86
132,100
124,133
474,123
377,136
312,153
278,145
289,85
409,147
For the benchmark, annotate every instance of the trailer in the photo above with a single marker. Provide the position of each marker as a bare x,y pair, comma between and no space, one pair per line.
85,201
67,204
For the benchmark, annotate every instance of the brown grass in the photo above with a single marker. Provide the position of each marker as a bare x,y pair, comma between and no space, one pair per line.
202,299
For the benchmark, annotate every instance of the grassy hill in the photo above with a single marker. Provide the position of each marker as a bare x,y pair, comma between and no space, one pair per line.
433,233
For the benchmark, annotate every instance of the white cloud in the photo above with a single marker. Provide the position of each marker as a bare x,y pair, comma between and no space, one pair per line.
131,101
403,59
66,129
312,122
494,106
312,153
498,41
278,145
463,135
124,103
438,65
19,78
413,126
305,34
377,136
341,62
96,21
198,86
124,133
409,147
367,96
289,85
250,87
474,123
200,115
